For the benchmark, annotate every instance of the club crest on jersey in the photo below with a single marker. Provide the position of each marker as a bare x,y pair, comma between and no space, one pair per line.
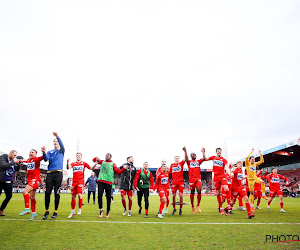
78,168
176,169
164,180
218,163
30,166
194,165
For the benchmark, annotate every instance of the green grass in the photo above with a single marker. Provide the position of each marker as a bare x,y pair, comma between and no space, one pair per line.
58,234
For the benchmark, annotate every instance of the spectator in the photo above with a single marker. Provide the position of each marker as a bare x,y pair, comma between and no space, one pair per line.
92,180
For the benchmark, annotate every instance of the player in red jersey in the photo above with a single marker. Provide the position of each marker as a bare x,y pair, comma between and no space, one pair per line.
219,167
237,189
162,186
158,171
257,190
226,195
176,169
78,182
194,178
275,188
34,179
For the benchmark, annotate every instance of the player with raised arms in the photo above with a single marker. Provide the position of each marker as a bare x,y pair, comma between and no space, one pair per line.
220,181
194,178
32,165
78,182
275,187
251,167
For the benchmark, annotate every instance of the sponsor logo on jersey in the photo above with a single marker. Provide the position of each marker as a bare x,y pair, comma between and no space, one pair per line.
194,165
228,181
240,177
30,166
78,168
176,169
164,180
275,180
218,163
252,168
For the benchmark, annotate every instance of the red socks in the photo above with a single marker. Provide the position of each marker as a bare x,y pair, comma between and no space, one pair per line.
198,199
281,205
219,200
26,200
241,201
192,199
130,204
80,203
248,207
124,203
146,211
269,202
168,201
258,201
33,202
73,203
161,207
228,198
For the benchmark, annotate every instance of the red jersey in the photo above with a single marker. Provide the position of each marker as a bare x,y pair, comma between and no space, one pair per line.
78,170
177,171
162,181
257,186
158,172
275,180
229,181
33,168
237,178
194,169
219,164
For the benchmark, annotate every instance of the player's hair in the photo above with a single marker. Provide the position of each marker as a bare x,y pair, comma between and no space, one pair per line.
238,162
34,150
128,157
145,162
78,153
273,168
13,151
176,156
192,153
252,156
110,155
218,149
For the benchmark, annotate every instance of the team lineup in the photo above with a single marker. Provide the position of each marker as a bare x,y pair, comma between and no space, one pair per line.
228,182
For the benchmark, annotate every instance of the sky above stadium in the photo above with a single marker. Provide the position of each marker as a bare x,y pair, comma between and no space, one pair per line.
145,78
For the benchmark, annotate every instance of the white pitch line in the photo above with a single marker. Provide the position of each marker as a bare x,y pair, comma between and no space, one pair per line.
165,223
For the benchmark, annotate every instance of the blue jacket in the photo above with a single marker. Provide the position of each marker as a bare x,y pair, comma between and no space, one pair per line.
7,169
55,157
92,183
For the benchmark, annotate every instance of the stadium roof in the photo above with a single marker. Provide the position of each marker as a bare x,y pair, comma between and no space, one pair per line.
285,154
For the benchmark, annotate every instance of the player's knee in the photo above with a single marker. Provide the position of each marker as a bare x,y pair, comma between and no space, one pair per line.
25,192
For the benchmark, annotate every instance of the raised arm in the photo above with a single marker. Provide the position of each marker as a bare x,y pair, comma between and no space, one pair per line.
203,153
247,163
68,161
46,156
62,148
186,158
261,159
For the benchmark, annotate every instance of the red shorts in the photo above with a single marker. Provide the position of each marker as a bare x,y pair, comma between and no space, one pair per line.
220,180
195,183
77,188
33,183
274,192
257,194
177,186
238,192
163,193
124,192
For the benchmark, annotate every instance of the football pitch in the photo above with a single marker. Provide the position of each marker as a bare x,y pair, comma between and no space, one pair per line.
208,230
